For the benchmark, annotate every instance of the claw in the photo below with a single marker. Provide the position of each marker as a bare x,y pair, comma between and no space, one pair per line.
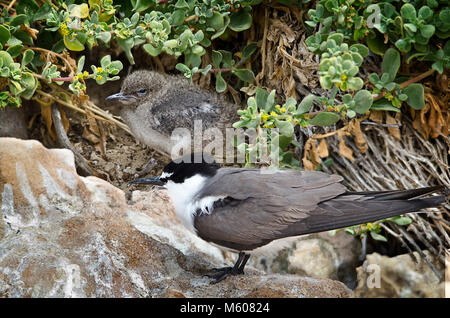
223,272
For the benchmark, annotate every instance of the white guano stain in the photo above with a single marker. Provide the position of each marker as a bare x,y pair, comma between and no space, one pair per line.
68,178
137,280
24,185
98,193
14,220
66,156
51,186
27,193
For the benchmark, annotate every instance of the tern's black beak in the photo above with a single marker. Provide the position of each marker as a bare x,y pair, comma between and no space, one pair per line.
153,180
119,97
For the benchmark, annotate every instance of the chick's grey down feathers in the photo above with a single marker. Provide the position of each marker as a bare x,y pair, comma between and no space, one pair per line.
170,102
254,213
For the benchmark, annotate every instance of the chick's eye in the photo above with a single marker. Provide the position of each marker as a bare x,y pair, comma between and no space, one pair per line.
142,91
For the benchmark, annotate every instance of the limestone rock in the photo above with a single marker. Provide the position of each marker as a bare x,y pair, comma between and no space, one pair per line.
399,276
317,255
62,235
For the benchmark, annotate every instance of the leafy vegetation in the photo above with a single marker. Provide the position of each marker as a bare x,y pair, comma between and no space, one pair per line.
179,28
348,31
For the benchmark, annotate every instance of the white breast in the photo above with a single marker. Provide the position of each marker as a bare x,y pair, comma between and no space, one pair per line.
183,196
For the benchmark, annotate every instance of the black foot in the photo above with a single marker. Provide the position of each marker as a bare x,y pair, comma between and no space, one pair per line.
221,269
221,273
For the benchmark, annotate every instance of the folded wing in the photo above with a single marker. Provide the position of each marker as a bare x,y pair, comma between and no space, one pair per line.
259,208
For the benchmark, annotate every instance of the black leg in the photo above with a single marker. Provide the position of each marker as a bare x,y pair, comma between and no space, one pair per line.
242,265
224,272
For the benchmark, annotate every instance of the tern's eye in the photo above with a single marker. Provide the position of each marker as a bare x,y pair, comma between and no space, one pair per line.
142,91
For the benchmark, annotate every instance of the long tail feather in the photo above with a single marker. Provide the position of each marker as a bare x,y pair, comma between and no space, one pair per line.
400,194
355,208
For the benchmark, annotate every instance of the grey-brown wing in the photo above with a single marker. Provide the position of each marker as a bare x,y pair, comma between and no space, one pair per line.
296,203
259,208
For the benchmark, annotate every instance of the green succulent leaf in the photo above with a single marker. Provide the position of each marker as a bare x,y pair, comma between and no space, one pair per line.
427,31
284,127
142,5
384,104
105,37
248,50
151,50
216,58
355,83
305,105
425,13
270,102
73,44
28,56
391,63
4,35
216,21
415,94
361,49
127,45
324,119
282,140
244,74
403,45
30,84
15,50
5,59
261,97
377,45
401,220
221,85
408,11
337,38
378,237
325,82
363,101
177,17
18,20
240,21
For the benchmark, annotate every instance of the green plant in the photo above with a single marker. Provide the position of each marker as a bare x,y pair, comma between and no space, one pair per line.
419,34
277,122
393,93
223,63
34,41
417,30
374,229
25,57
340,63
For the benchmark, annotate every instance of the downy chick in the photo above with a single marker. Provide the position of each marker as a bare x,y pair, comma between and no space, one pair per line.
155,104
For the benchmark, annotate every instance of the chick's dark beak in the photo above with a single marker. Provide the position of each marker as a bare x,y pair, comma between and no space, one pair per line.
119,97
153,180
